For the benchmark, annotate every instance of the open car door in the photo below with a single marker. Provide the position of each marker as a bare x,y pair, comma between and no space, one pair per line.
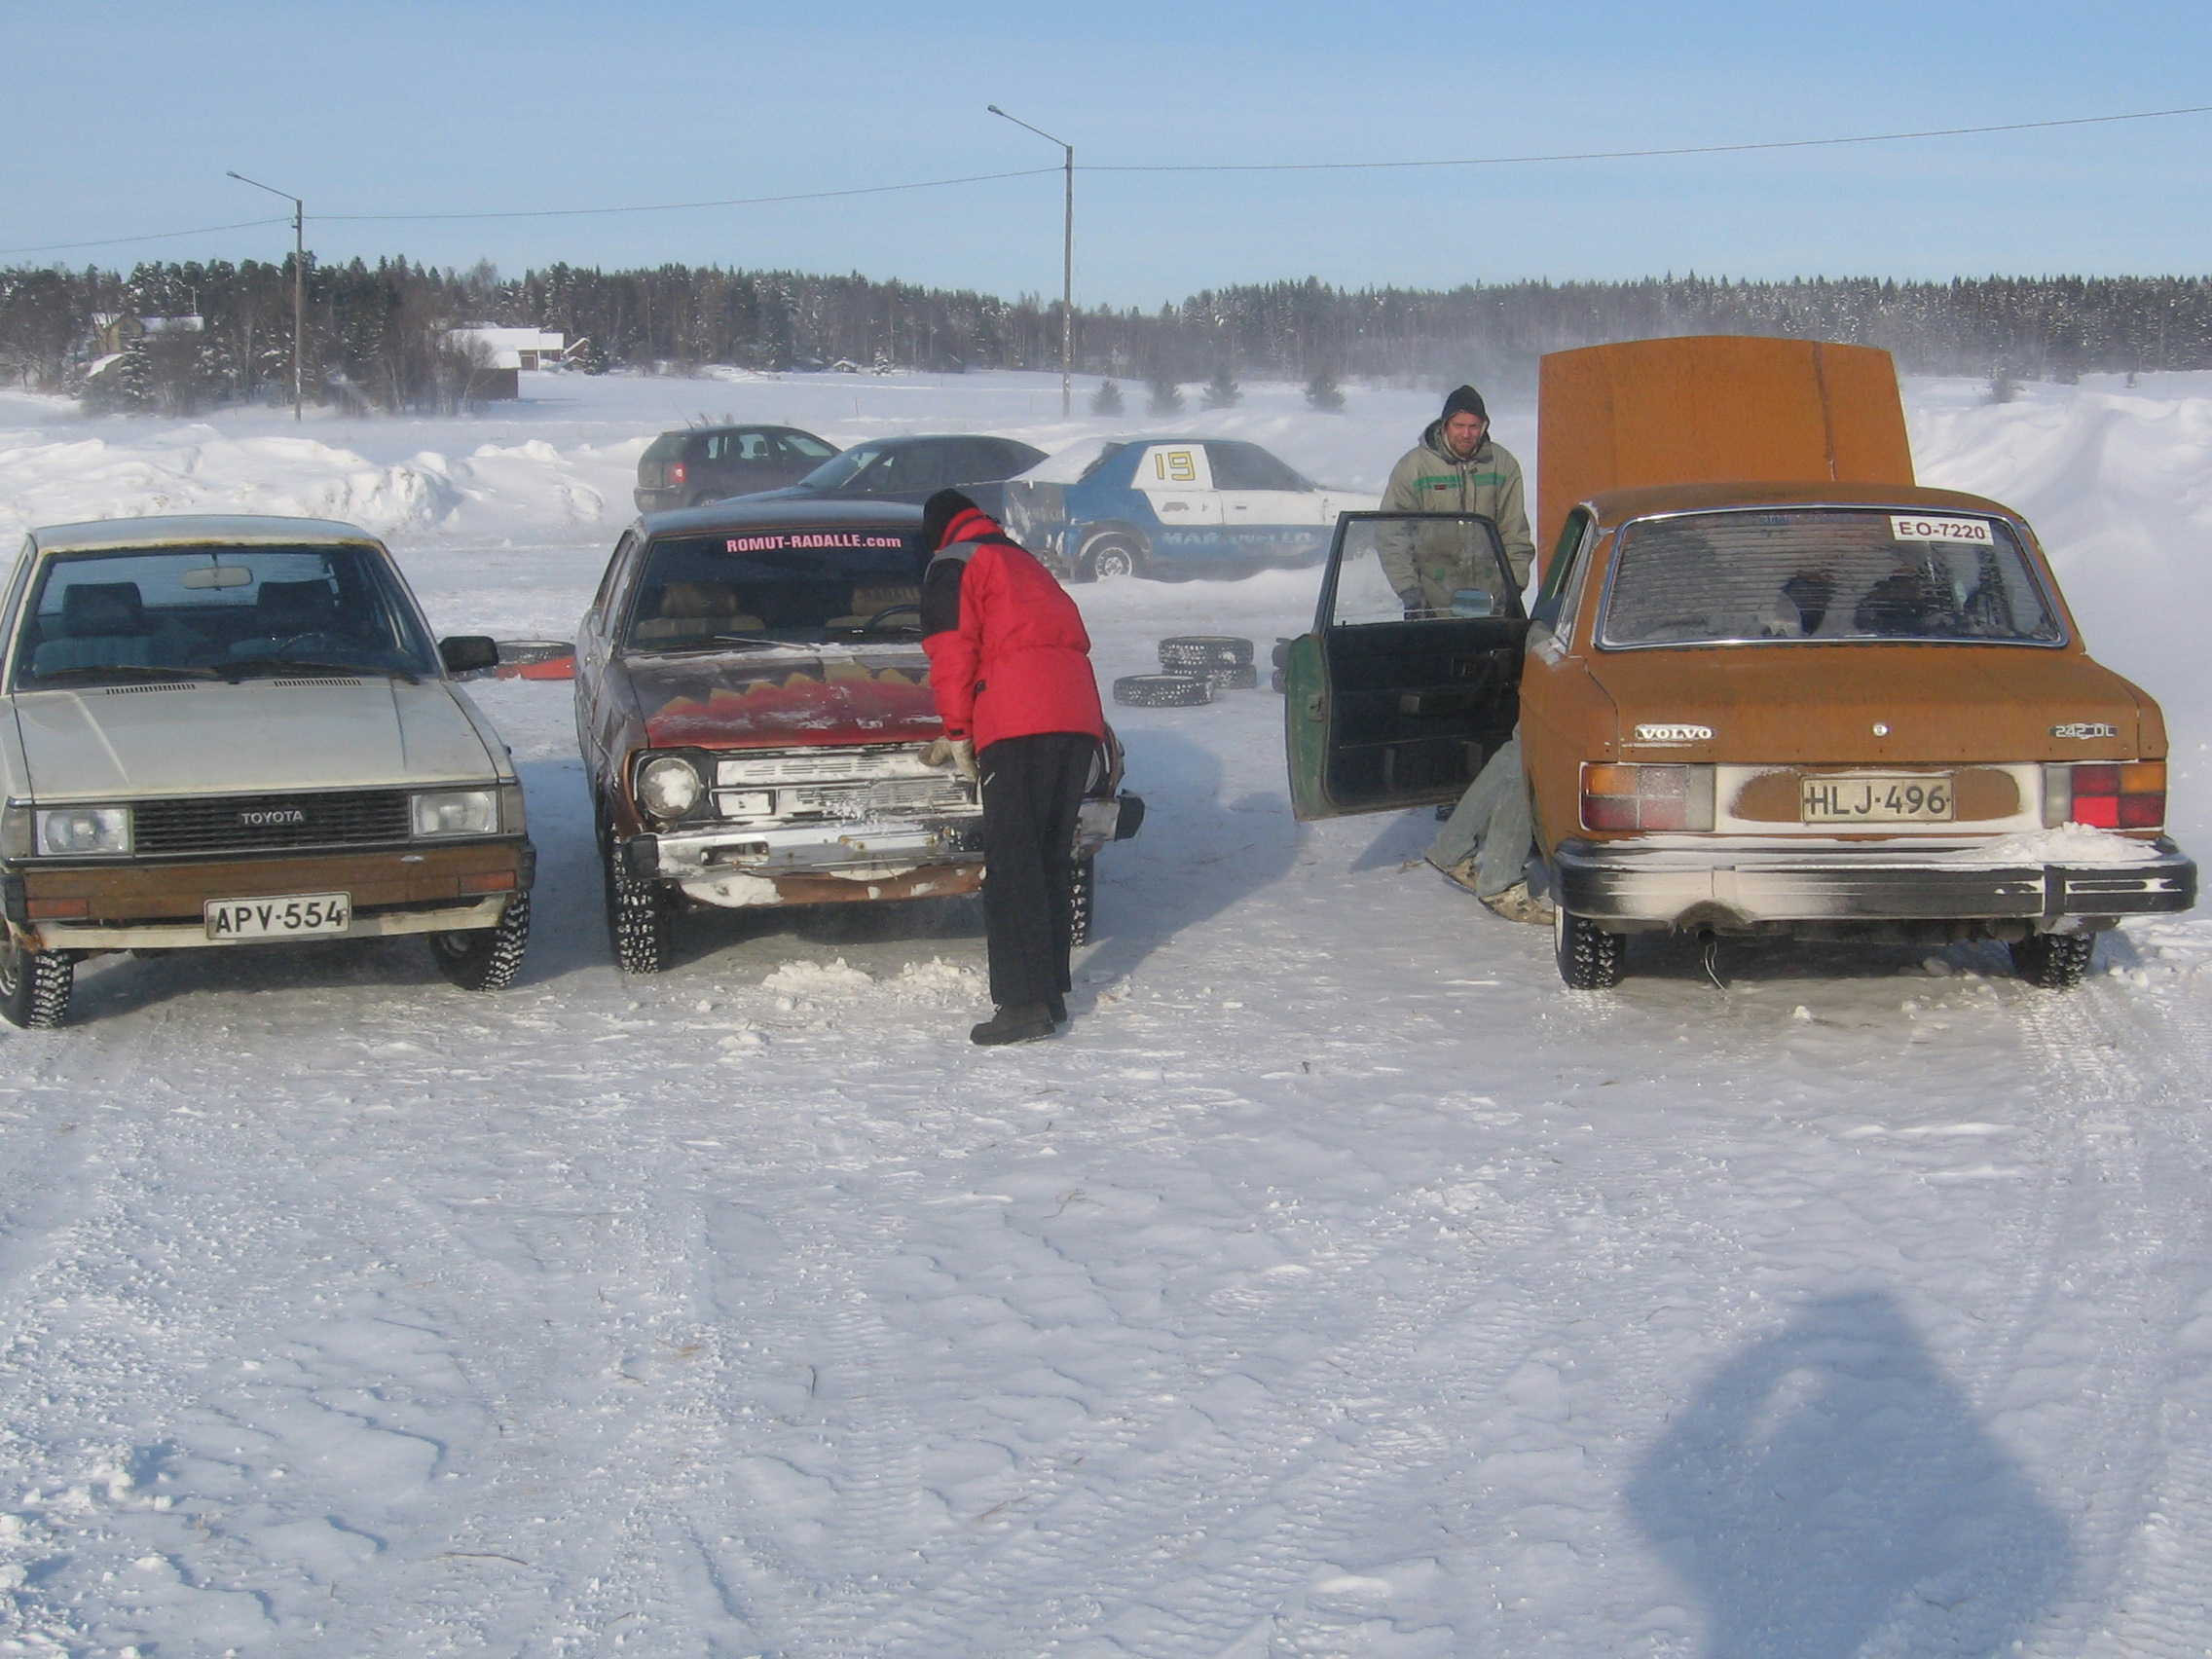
1390,703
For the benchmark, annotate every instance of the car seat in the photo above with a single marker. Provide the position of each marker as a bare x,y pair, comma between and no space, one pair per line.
694,611
102,623
867,602
289,616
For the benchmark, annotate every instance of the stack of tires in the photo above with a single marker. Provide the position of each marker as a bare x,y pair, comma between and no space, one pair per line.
1192,667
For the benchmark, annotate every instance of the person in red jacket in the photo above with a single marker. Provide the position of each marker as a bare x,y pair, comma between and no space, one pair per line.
1009,667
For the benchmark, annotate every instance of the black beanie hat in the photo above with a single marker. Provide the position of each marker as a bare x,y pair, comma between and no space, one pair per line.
938,512
1466,401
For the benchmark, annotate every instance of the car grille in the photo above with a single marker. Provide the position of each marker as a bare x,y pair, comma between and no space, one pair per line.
887,797
254,824
843,764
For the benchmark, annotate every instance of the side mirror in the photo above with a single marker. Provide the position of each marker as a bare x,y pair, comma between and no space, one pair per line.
463,654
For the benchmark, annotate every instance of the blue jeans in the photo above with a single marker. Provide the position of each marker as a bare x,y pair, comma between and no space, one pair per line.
1493,824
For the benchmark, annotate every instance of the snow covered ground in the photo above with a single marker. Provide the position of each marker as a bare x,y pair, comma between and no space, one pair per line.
1336,1285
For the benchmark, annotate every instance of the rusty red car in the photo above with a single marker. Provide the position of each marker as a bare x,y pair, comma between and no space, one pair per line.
752,702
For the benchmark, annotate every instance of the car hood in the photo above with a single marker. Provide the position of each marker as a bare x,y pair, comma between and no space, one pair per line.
786,700
204,737
1874,704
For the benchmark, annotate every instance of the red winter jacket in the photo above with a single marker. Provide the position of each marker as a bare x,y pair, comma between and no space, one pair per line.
1009,656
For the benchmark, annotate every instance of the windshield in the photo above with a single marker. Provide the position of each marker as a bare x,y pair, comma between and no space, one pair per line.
777,587
218,612
839,471
1823,574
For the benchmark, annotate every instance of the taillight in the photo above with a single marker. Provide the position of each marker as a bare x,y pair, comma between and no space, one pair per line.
2105,795
676,473
1646,798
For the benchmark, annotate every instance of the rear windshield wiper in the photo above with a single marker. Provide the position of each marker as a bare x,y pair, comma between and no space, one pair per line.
117,671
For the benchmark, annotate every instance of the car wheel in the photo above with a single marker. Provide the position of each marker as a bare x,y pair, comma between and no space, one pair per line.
2053,962
1083,893
637,912
1589,957
1162,690
1115,553
34,985
485,959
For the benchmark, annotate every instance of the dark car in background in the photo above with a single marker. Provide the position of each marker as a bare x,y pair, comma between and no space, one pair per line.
704,464
911,469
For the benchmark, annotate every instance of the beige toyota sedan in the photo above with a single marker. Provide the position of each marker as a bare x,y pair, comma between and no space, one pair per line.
238,732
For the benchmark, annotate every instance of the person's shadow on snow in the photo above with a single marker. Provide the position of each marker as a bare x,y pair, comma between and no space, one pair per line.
1196,855
1830,1485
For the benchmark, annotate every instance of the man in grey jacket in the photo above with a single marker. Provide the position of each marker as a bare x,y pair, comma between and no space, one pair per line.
1454,468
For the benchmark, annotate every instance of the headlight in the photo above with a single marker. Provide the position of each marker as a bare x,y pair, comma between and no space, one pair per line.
457,812
66,832
668,787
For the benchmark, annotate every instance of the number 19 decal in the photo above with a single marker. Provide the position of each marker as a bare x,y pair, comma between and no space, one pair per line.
1175,466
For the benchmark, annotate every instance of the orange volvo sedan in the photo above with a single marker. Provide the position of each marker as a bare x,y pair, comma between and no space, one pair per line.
1828,707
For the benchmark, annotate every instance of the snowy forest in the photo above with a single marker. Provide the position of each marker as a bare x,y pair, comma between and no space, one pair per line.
377,336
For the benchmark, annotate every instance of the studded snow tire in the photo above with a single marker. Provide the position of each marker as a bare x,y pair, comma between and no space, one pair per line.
1204,653
35,986
1589,957
1162,690
485,959
1082,894
2053,962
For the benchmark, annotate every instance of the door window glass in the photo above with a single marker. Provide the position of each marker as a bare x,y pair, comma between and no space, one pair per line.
1248,466
1402,566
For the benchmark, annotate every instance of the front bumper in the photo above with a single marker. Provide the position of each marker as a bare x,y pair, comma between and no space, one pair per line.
158,904
819,863
812,863
1674,884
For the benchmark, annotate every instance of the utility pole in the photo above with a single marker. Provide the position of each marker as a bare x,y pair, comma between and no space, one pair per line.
1067,262
299,284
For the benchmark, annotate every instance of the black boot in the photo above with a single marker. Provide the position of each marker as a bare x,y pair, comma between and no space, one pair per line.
1016,1022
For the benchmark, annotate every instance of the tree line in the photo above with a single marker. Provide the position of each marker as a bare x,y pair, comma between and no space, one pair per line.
377,336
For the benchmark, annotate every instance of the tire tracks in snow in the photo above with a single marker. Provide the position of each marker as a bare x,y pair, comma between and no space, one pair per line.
2135,1459
1201,1523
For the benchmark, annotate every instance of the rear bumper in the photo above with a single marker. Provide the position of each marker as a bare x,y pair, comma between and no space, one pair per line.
160,905
1675,885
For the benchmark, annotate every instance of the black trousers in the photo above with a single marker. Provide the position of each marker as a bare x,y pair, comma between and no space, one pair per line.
1032,788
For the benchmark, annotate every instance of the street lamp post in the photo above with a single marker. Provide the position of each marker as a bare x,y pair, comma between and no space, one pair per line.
299,280
1067,262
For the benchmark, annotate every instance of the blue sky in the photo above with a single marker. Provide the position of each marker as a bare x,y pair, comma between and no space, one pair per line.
123,120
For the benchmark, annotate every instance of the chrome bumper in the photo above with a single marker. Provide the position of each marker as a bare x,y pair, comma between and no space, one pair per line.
854,849
733,865
1678,885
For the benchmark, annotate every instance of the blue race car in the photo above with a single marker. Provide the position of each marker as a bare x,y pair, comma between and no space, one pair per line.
1172,507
